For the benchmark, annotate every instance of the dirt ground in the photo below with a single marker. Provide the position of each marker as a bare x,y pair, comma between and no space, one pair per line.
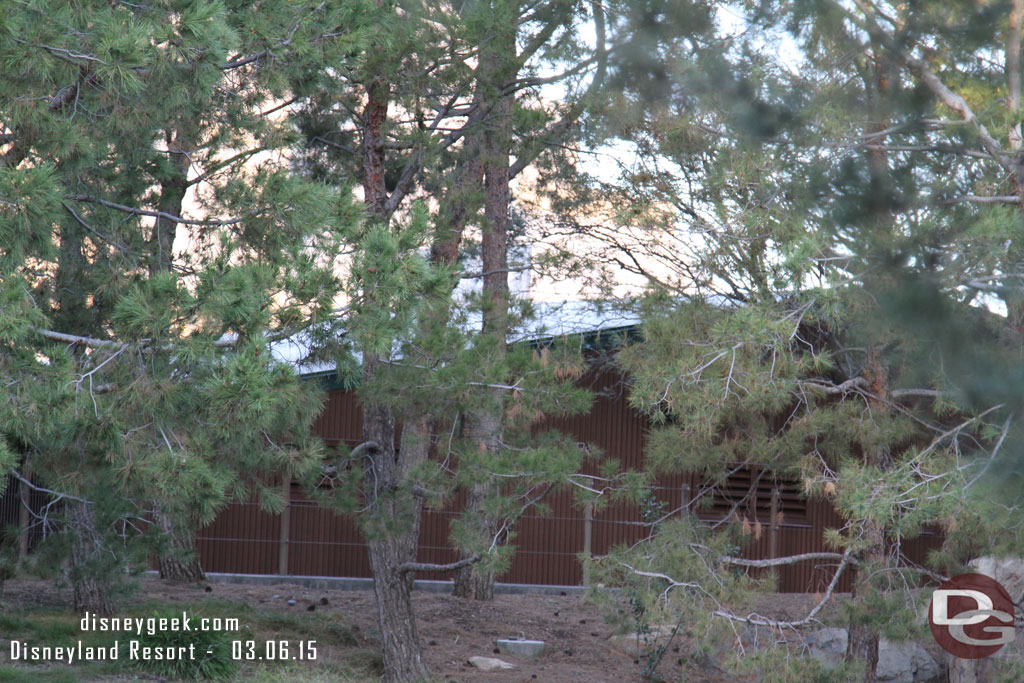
580,646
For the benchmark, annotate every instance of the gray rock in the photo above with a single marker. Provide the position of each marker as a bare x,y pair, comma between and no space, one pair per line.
828,645
905,663
897,662
1008,571
639,644
490,663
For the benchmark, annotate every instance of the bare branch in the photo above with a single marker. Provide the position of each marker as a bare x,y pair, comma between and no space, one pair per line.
427,567
57,494
782,561
930,393
76,339
155,214
558,129
843,388
960,106
977,199
758,620
363,449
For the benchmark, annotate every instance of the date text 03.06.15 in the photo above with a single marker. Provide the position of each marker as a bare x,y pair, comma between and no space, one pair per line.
273,650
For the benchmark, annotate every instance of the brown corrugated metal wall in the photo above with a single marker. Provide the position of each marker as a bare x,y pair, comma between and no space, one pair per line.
244,539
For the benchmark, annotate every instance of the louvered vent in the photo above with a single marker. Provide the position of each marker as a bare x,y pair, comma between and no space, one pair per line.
755,497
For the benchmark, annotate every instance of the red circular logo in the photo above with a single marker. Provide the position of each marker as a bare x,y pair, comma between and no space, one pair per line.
971,616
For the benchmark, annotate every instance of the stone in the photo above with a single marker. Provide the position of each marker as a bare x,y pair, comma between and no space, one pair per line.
1008,571
635,645
520,647
905,663
897,662
828,645
490,664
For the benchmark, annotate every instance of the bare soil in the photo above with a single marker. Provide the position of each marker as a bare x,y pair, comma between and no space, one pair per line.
580,646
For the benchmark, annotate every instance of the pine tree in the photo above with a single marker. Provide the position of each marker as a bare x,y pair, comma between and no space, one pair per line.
417,121
815,239
136,339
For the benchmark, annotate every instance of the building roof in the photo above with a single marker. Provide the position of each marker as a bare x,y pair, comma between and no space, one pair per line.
599,322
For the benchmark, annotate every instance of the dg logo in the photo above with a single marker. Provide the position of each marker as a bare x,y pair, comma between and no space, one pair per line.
971,616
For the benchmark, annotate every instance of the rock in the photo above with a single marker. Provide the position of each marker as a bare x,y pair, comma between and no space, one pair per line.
490,663
1008,571
828,645
291,603
521,647
635,645
897,662
906,663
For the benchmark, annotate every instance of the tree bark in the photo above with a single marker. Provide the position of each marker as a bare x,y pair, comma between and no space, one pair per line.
172,197
864,635
863,643
486,424
473,581
392,519
392,528
24,513
178,559
91,592
1013,63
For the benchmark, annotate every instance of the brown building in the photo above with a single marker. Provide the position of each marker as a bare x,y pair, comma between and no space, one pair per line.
309,540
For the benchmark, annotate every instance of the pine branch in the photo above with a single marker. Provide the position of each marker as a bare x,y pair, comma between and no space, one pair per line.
57,494
783,561
843,388
758,620
427,567
155,214
558,129
363,448
111,344
976,199
78,339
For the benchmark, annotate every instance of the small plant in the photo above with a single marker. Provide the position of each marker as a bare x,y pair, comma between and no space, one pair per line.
212,654
652,509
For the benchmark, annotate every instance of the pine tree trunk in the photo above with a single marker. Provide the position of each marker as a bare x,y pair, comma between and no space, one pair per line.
487,421
403,654
392,519
473,581
91,592
863,643
969,670
178,559
862,646
392,525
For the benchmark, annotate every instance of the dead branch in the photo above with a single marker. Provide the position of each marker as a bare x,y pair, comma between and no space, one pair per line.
782,561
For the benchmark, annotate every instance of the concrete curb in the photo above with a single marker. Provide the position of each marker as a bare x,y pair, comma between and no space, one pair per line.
355,584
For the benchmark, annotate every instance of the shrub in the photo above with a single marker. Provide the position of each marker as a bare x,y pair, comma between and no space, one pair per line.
212,661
